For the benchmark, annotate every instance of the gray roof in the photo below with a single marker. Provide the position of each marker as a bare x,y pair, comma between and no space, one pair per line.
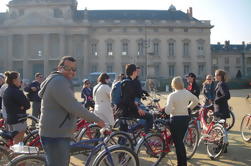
169,15
230,47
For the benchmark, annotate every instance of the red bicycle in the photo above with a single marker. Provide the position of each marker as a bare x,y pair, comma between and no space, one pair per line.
213,134
246,125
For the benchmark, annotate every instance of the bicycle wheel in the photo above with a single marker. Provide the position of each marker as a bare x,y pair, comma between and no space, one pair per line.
116,155
92,131
230,121
191,140
30,160
150,149
119,138
246,128
4,156
215,143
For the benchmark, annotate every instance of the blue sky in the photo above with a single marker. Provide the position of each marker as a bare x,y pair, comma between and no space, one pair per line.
231,18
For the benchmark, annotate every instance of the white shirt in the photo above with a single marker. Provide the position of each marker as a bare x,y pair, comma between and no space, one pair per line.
178,102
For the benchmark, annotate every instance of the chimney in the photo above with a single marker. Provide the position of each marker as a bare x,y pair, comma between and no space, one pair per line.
218,43
190,11
243,43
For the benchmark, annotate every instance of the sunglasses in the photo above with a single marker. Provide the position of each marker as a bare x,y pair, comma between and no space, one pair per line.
209,79
67,68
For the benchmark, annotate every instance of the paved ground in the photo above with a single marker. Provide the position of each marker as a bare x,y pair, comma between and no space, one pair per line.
239,153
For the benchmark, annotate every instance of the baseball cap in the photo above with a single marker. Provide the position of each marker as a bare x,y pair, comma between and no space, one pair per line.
191,75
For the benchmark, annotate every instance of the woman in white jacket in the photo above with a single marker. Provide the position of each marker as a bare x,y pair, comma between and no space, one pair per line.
177,106
101,96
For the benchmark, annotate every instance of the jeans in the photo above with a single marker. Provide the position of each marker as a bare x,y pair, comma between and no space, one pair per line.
148,122
57,151
178,127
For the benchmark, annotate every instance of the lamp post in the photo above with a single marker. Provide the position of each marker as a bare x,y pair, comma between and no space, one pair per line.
146,46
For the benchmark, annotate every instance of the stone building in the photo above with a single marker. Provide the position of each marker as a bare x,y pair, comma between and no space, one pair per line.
232,58
34,34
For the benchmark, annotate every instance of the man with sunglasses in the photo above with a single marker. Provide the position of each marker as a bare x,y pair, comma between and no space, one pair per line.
59,112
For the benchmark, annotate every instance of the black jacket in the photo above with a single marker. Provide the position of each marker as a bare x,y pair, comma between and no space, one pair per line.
194,89
129,93
0,100
222,95
33,95
14,99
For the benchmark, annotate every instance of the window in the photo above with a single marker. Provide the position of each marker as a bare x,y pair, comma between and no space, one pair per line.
186,49
200,47
249,61
238,60
186,69
57,13
109,68
94,68
94,51
215,67
21,12
171,49
201,69
124,47
157,69
140,48
171,70
109,48
226,60
156,48
226,68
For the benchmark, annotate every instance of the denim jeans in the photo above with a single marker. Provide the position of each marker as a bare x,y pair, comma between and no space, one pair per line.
178,126
57,151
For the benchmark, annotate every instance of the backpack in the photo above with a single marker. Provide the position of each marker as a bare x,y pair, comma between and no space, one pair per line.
116,92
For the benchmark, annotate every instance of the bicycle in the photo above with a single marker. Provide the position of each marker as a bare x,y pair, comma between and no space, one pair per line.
213,133
245,127
112,155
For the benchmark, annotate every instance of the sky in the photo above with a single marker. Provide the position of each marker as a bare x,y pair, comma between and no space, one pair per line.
230,18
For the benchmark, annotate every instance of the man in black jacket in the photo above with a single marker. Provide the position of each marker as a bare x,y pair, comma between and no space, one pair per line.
32,90
128,105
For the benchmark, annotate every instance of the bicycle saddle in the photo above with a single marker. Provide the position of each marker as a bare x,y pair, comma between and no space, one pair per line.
8,134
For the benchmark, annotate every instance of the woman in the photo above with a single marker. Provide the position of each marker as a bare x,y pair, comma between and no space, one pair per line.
192,85
16,105
178,103
101,95
222,96
208,90
86,94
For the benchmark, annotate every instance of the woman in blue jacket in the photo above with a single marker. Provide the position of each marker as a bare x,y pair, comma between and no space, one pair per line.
16,105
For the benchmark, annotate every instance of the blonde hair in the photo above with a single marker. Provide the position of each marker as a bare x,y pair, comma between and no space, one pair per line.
222,74
177,83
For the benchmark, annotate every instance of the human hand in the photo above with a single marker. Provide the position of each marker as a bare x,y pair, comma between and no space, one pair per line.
141,112
34,89
22,107
101,124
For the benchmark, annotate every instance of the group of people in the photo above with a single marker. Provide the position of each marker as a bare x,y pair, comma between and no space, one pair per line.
54,97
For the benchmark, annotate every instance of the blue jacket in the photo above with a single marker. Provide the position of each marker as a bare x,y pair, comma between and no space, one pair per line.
33,95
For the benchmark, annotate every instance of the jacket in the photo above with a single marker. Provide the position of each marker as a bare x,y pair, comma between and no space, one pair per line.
129,94
33,95
14,99
59,107
208,91
194,89
222,96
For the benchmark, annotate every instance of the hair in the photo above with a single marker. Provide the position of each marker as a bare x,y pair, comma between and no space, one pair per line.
177,83
130,68
65,58
206,81
222,74
10,76
102,77
37,75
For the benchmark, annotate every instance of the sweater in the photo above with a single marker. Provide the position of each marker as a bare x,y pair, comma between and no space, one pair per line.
59,107
178,102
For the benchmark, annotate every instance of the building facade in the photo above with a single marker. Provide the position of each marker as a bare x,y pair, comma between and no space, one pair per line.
34,34
233,58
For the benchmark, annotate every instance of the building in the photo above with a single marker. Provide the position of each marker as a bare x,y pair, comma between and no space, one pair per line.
34,34
232,58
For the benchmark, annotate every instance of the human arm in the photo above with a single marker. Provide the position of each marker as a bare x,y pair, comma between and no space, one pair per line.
21,100
224,93
169,105
193,101
64,96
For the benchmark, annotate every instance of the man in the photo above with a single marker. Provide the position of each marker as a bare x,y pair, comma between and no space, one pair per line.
129,107
32,90
139,91
59,110
1,83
